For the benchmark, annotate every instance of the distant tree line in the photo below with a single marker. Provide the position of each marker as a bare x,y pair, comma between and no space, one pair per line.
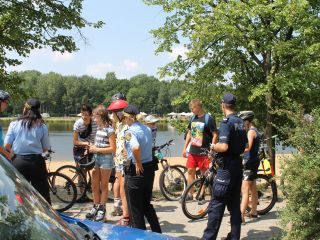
63,95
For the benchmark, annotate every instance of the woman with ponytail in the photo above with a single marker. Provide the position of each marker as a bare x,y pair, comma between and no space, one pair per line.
27,138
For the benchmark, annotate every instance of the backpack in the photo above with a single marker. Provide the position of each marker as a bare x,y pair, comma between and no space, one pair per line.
206,119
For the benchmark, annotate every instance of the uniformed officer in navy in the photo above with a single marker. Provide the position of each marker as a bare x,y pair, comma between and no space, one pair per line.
139,171
227,182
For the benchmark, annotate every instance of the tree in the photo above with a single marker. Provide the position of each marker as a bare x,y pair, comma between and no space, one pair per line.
26,25
267,52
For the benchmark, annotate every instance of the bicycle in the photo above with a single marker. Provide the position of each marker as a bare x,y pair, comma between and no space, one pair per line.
196,198
81,176
63,192
172,181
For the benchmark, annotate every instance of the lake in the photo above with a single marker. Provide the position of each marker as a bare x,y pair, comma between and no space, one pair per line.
61,139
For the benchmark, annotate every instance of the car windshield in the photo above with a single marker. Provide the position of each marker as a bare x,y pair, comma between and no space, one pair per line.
24,214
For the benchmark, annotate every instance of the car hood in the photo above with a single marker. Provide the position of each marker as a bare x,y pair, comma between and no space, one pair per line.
114,232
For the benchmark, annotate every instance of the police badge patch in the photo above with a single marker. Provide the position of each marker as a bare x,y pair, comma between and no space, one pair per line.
128,136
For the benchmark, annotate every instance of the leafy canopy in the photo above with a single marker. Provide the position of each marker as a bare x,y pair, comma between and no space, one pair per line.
33,24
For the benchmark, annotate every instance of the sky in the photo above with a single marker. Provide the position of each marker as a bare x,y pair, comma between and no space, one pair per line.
124,45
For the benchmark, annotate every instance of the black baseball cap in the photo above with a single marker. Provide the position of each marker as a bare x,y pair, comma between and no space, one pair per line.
33,103
229,98
131,110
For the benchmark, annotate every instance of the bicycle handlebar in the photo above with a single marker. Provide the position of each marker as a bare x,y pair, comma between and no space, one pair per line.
163,145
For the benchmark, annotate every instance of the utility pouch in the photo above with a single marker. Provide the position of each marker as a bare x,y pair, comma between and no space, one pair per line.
155,162
129,168
221,184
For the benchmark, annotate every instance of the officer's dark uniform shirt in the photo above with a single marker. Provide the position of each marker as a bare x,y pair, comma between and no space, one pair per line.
201,134
232,132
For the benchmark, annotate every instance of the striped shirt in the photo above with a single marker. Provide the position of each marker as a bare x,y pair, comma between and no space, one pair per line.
102,137
79,127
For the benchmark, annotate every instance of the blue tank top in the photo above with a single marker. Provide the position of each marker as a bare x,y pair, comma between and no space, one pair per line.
251,157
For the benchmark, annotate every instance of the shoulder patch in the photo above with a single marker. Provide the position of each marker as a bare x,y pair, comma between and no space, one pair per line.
225,119
128,136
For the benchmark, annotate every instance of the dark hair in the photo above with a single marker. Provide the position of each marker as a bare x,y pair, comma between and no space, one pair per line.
31,117
229,106
86,108
103,113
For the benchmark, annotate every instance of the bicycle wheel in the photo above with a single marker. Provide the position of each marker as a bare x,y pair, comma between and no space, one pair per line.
79,179
63,192
172,183
267,193
195,200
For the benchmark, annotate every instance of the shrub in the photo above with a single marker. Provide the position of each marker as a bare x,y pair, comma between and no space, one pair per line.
301,175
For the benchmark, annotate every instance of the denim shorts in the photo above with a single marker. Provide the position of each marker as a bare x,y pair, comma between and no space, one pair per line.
103,161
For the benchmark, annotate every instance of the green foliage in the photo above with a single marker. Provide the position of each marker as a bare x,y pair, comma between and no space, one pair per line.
266,52
301,175
63,95
26,25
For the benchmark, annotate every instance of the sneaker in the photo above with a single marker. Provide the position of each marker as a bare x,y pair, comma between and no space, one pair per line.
93,212
117,211
100,214
123,222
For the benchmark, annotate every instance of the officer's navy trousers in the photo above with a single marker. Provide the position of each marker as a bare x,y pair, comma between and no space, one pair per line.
138,191
232,201
33,168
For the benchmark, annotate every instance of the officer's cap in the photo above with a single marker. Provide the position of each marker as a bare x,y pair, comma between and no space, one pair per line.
131,110
229,98
32,103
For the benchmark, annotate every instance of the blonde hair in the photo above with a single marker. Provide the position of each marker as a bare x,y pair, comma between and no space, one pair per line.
196,101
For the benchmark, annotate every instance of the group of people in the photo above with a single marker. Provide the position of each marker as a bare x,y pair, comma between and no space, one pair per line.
236,136
124,143
116,138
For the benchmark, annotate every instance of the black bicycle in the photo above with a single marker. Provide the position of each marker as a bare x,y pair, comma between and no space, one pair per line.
196,198
63,192
80,174
172,181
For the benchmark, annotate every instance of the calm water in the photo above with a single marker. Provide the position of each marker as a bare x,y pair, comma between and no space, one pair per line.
61,139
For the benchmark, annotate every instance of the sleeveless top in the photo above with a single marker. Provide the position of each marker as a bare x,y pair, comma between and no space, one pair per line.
251,157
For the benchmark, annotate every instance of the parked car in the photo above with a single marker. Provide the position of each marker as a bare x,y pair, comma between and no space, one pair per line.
24,214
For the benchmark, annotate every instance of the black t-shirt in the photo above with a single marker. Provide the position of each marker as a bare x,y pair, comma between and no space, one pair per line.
201,133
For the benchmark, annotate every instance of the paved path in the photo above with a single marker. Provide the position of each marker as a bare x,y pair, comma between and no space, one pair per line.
174,223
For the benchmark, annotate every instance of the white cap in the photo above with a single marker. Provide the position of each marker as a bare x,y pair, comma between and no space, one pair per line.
151,119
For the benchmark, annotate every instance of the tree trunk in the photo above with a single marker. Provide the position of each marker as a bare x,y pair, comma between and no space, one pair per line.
270,70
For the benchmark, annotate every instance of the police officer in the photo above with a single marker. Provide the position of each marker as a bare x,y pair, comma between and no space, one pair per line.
28,138
139,171
227,182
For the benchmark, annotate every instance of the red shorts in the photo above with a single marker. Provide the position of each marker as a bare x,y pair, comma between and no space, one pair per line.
200,161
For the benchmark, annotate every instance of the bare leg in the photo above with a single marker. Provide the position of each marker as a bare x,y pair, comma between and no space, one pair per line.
245,197
105,175
191,176
254,198
95,184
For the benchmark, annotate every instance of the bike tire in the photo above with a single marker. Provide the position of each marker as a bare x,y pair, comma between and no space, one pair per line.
74,173
197,207
267,193
172,183
63,191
